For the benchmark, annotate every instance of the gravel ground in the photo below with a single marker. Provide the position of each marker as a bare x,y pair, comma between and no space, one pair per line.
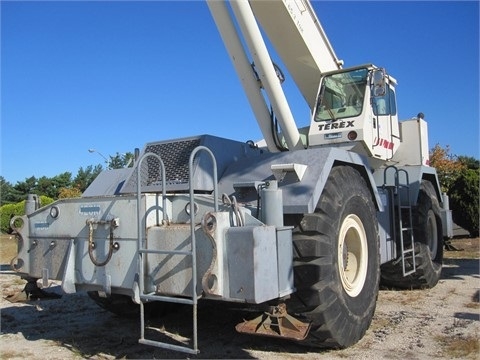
442,322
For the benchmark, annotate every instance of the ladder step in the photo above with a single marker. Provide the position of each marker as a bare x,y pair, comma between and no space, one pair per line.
142,265
166,252
159,344
167,299
409,272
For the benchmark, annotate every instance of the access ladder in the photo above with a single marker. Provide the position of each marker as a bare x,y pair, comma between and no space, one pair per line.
401,215
143,251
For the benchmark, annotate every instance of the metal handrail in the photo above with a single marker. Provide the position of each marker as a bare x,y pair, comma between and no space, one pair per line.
192,229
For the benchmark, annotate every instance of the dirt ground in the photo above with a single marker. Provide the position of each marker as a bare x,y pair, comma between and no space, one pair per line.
442,322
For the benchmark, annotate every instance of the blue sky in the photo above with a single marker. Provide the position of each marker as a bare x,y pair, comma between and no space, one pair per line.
115,75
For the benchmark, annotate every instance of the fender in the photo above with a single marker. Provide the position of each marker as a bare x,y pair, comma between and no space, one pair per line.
416,173
300,196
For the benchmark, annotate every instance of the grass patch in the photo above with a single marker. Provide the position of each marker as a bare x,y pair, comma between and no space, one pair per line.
411,297
472,305
460,346
469,248
8,248
12,354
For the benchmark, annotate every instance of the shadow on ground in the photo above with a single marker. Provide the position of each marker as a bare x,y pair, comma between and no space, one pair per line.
78,324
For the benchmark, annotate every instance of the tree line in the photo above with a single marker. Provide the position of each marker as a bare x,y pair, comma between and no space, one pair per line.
57,187
459,178
61,186
49,189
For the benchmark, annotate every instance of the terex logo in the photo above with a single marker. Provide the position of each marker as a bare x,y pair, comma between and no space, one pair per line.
335,125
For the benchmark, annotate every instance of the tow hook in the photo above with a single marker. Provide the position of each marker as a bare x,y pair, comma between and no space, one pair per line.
276,323
92,223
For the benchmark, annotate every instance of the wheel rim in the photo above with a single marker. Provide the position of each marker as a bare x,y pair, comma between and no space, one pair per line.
432,235
352,255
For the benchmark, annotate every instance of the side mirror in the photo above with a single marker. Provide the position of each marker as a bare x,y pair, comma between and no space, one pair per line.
378,82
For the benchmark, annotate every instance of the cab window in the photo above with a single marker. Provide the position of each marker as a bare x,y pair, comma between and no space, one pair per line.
385,105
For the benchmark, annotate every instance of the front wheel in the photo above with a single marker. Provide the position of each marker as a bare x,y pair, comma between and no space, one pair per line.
336,262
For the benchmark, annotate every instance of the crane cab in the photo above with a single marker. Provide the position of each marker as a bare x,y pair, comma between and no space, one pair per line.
356,109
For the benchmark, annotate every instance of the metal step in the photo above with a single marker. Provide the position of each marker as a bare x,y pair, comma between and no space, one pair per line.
141,251
171,299
162,345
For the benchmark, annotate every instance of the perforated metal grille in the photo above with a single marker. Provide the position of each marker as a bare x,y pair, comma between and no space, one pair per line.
175,156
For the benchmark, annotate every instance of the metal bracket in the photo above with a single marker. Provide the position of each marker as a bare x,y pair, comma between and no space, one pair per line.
92,223
276,323
281,170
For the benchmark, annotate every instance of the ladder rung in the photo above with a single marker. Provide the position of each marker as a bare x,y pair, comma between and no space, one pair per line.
168,346
171,299
409,272
142,259
166,252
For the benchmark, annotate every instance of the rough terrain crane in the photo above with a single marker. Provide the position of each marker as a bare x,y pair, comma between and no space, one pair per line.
302,226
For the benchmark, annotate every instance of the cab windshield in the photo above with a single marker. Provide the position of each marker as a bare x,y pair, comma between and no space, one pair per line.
341,95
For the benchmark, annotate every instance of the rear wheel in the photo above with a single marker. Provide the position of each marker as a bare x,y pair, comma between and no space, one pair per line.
428,237
429,232
336,262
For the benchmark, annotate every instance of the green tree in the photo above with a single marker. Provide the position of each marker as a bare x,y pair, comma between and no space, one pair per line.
8,194
119,161
25,187
464,201
448,166
51,186
470,162
8,211
459,178
45,187
86,176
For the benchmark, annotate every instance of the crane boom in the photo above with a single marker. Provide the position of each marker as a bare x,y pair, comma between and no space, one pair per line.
295,32
237,54
299,39
241,15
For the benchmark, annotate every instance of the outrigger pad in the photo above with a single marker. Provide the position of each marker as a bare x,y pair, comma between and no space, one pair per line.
31,291
449,246
276,323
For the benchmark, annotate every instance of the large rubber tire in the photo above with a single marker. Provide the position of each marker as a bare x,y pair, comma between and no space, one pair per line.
336,262
123,306
428,237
